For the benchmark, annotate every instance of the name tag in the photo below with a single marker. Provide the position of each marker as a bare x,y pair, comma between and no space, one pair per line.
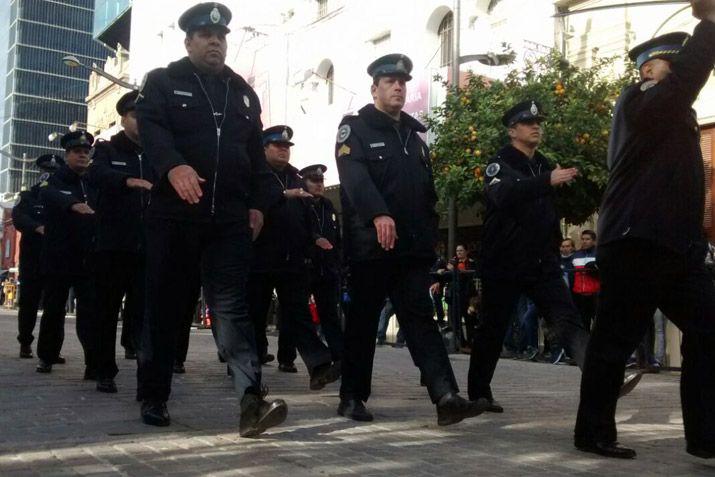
377,144
119,163
68,192
184,93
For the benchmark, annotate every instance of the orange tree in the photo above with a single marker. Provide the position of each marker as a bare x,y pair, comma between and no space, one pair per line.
467,130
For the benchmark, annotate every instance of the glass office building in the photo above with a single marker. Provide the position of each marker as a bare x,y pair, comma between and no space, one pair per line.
41,94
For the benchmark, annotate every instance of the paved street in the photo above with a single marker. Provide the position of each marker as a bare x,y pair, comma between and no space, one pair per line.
57,424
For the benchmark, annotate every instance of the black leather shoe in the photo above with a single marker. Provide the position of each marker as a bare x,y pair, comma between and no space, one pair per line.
26,352
452,408
257,415
59,360
629,384
324,375
154,413
43,367
287,368
701,452
130,354
611,449
267,358
106,385
494,406
179,368
220,358
354,409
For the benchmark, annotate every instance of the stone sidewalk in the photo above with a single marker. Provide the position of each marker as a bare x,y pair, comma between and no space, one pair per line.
57,424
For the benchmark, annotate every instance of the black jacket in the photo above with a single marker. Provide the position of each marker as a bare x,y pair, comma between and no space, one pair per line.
178,125
521,235
384,169
120,210
69,236
325,225
656,186
27,215
284,244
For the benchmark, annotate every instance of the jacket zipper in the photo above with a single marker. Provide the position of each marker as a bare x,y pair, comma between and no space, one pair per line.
141,176
218,135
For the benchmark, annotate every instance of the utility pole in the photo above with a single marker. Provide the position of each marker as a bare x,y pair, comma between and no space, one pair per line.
452,200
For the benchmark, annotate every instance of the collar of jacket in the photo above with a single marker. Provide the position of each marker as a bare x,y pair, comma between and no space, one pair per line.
183,68
375,117
122,143
67,175
519,161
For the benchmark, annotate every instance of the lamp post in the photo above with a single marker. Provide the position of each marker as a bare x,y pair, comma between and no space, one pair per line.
73,62
23,160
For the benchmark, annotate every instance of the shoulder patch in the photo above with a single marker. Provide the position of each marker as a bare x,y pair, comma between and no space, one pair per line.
343,133
44,176
344,150
648,85
493,169
496,180
44,184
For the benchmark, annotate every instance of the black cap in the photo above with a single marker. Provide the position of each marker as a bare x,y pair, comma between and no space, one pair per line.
279,134
49,162
664,46
207,14
525,111
127,102
395,64
314,171
77,139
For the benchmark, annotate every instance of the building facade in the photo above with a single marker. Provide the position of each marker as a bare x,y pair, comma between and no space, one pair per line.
42,94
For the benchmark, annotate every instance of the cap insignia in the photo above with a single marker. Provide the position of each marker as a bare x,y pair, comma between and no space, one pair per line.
215,15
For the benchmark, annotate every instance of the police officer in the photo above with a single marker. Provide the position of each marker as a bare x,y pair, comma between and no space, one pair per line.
28,217
123,180
652,247
388,200
69,201
325,258
280,261
199,122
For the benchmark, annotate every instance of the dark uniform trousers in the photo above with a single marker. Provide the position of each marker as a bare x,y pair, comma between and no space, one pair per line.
117,274
182,343
296,328
52,323
638,276
29,302
499,300
325,288
178,253
406,282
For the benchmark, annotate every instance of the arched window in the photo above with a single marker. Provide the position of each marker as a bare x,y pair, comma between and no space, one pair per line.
445,40
329,77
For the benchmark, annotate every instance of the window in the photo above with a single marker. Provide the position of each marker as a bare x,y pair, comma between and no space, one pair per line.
329,77
445,40
322,8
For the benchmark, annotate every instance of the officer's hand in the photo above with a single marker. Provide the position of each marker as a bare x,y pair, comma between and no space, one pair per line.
187,183
563,176
324,243
134,183
40,229
386,231
296,194
255,221
82,208
703,9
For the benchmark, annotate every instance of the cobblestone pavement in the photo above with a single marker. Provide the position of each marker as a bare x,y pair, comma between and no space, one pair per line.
57,424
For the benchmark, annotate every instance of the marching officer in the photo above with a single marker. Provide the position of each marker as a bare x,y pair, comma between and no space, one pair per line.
280,261
325,258
199,122
388,200
69,200
519,254
652,246
123,180
28,217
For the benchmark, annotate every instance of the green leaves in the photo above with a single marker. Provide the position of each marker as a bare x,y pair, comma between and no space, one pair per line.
467,129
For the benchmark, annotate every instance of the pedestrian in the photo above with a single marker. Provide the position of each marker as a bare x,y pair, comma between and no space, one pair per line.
519,253
281,258
69,201
388,200
123,180
28,217
325,258
651,240
467,289
586,282
199,122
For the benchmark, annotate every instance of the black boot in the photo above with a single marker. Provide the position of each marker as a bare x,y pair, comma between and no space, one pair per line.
267,358
179,368
354,409
154,413
43,367
606,449
26,351
452,408
324,375
257,415
287,368
106,385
